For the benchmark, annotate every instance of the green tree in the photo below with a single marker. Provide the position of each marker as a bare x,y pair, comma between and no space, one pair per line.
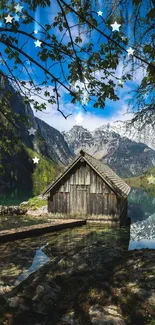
78,61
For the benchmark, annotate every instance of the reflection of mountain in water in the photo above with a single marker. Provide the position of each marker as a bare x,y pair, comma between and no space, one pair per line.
141,204
142,213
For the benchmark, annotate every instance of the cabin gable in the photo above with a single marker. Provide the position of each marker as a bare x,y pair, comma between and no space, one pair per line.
83,192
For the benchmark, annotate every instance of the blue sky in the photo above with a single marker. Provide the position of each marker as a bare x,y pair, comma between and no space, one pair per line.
93,118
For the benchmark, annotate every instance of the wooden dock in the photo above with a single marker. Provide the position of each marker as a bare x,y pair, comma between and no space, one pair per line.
36,230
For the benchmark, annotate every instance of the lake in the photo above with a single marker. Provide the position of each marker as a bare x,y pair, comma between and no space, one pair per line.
23,257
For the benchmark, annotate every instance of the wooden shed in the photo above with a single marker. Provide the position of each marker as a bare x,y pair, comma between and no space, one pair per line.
89,189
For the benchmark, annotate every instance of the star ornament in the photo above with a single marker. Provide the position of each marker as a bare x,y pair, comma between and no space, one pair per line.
115,26
8,19
79,119
35,160
151,179
31,131
130,51
18,8
121,82
35,31
99,13
37,43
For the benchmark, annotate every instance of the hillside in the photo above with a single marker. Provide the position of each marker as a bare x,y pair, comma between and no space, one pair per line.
19,176
142,181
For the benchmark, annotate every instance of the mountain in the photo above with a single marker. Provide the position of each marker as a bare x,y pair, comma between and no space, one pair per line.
47,140
18,148
137,131
126,157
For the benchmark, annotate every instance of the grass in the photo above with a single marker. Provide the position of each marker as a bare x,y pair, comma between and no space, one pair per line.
10,222
35,203
142,181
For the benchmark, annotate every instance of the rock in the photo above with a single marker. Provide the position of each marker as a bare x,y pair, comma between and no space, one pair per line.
69,319
12,210
5,289
24,203
13,302
82,267
41,212
99,315
151,299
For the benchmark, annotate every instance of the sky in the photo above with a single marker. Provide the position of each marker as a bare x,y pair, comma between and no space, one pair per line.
92,118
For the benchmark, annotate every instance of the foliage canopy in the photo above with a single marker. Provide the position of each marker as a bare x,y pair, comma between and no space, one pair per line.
88,57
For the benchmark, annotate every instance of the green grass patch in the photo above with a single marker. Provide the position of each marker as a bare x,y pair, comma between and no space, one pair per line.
10,222
36,203
143,182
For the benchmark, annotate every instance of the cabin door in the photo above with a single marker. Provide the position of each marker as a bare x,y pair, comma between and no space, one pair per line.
78,199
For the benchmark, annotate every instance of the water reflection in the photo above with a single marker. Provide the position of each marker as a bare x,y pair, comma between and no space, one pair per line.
39,260
142,214
142,244
23,257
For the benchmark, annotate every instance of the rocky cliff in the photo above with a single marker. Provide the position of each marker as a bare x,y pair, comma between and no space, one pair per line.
18,147
125,156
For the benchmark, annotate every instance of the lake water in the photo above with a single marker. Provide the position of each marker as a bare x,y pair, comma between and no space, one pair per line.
22,257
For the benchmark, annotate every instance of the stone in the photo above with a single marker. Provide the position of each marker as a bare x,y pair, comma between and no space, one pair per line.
24,203
98,315
82,267
151,299
13,302
12,210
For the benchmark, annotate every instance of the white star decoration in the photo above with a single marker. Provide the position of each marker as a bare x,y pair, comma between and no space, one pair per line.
37,43
79,119
121,82
8,19
130,51
35,160
124,38
35,31
32,131
151,179
115,26
100,13
18,8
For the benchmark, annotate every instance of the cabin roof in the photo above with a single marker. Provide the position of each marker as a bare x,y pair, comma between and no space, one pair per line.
105,172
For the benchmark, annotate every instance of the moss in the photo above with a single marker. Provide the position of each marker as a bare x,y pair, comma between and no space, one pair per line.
36,202
152,322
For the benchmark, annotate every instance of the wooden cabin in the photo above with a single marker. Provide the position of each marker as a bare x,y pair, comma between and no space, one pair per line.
89,189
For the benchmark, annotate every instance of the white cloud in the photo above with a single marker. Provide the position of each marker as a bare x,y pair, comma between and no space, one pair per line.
90,121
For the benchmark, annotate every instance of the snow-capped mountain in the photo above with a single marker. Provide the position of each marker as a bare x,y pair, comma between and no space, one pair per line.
137,132
125,156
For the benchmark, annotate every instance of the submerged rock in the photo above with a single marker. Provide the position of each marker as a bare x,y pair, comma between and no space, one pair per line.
86,283
105,316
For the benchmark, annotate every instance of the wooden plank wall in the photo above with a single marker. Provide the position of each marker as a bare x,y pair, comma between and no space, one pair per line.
123,211
94,198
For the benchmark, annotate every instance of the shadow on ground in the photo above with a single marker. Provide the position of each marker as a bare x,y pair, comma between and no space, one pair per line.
87,281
